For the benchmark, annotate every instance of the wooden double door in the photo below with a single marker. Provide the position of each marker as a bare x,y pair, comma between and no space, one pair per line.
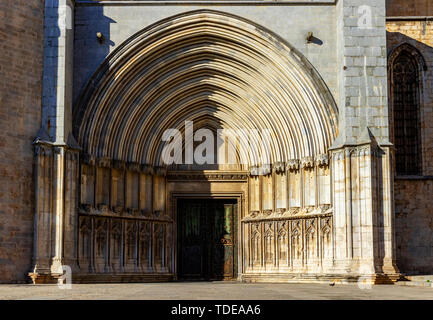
207,239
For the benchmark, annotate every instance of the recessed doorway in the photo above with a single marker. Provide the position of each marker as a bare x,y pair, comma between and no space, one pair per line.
207,239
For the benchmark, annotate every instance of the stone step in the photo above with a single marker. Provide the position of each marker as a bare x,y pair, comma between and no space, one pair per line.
417,281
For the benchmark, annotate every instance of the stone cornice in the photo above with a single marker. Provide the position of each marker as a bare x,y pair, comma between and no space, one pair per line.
292,213
104,211
227,176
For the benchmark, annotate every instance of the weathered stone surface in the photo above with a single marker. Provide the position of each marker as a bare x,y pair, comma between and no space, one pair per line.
322,209
414,225
419,34
413,200
214,291
409,8
21,34
118,23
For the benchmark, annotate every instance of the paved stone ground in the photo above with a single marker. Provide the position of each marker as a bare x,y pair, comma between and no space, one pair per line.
212,291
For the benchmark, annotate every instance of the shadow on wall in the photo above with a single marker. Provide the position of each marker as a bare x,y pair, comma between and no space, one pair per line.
409,8
413,202
50,72
92,44
394,39
21,58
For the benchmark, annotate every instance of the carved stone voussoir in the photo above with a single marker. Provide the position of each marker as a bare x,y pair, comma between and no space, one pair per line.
260,170
206,176
104,162
160,171
292,165
306,210
86,209
117,210
292,213
307,163
279,167
133,166
158,213
322,160
145,213
267,212
280,211
88,159
132,212
103,208
146,168
119,164
254,214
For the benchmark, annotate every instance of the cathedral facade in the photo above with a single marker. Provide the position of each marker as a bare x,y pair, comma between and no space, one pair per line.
258,141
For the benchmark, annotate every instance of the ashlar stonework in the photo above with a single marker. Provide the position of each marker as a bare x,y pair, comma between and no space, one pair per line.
327,206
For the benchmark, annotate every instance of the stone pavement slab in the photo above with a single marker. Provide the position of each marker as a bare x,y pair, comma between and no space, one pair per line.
213,291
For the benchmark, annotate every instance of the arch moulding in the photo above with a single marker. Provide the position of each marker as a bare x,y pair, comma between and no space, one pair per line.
115,197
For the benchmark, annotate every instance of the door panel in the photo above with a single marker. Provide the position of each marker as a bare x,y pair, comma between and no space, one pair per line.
191,240
223,243
206,239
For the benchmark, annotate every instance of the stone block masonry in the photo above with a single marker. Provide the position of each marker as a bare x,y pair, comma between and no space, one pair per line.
413,203
337,190
409,8
21,52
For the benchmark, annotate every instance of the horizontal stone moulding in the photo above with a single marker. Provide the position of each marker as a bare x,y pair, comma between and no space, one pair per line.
103,210
292,213
105,162
320,160
206,176
125,277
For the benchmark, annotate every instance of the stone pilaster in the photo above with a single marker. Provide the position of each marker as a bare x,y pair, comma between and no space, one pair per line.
58,209
58,69
361,155
43,209
70,241
54,223
56,206
363,216
386,191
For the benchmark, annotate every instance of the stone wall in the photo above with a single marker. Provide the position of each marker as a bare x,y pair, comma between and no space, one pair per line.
352,62
21,56
119,22
21,33
123,229
413,204
409,8
419,34
414,225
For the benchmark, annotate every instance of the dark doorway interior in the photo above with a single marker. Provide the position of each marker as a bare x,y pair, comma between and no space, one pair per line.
207,239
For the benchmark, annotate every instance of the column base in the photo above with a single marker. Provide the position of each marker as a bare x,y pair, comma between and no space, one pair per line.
39,278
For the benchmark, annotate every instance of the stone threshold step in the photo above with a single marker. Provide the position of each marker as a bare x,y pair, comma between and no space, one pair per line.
416,281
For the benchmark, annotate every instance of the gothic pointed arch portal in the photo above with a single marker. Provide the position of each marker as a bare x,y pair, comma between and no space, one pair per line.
204,64
221,72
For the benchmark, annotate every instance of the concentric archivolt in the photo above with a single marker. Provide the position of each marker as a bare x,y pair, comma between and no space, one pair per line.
212,68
